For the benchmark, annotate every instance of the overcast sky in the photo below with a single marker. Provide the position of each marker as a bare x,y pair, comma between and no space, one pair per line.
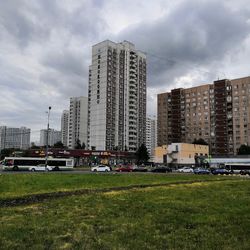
45,49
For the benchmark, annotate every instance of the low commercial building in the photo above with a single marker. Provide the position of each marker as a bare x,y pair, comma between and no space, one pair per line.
180,153
160,154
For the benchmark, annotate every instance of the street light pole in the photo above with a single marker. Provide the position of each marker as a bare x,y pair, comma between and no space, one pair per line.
47,141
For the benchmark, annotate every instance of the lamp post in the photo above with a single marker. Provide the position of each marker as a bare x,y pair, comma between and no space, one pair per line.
47,141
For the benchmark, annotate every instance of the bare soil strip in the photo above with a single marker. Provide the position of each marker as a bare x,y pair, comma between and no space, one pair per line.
37,198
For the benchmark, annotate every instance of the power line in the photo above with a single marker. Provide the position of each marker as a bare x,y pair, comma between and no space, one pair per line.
174,61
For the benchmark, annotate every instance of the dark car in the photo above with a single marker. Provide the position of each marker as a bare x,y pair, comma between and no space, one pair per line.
139,169
124,169
161,170
201,171
221,171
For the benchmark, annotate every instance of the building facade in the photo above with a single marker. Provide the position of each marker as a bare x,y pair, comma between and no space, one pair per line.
117,97
78,121
151,136
18,138
178,154
64,127
53,137
219,113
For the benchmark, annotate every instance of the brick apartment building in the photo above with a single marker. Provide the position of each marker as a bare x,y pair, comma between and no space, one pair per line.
219,113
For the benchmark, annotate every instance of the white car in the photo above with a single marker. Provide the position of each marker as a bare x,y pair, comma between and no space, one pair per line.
100,168
40,167
185,170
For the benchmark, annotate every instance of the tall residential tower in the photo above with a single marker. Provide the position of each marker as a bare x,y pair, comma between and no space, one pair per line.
78,121
117,97
14,137
151,136
53,137
65,127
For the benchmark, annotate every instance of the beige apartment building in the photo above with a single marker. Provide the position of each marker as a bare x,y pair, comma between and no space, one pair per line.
219,113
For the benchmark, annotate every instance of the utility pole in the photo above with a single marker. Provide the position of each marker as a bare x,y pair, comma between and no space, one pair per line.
4,142
47,141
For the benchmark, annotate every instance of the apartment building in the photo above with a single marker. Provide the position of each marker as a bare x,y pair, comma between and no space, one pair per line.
64,127
18,138
54,136
78,121
219,113
151,136
117,97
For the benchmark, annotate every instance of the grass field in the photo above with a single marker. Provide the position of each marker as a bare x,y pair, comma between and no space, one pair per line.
200,215
16,185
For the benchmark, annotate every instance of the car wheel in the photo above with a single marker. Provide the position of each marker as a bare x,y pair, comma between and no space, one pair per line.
106,170
120,171
15,168
33,170
95,170
56,169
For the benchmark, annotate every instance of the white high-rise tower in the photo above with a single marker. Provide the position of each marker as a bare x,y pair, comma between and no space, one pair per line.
65,126
78,121
117,97
151,136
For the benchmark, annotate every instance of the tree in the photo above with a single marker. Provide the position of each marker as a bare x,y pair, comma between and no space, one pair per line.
58,144
244,150
83,145
142,154
200,141
78,144
34,146
6,152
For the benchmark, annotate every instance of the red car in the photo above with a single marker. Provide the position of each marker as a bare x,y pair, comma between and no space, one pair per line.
124,169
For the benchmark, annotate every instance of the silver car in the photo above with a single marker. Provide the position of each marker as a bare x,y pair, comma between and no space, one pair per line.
101,168
40,167
185,170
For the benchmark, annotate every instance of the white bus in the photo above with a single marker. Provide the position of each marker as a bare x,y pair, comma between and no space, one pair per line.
217,162
237,168
25,163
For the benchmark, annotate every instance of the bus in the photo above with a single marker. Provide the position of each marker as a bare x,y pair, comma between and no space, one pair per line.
25,163
218,162
237,168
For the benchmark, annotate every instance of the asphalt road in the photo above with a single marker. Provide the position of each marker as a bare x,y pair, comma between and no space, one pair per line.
89,172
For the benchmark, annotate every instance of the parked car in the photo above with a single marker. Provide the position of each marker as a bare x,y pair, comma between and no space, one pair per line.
185,170
124,169
139,169
101,168
221,171
40,167
161,169
201,171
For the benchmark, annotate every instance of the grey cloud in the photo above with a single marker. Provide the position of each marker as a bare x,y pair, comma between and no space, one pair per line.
195,34
68,85
33,21
19,21
52,41
66,62
66,71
